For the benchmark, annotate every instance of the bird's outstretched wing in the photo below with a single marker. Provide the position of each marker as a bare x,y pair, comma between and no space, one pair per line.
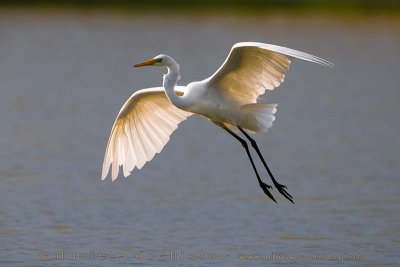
251,68
142,128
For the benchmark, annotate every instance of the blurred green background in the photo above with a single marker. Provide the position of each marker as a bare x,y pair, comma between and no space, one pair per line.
238,5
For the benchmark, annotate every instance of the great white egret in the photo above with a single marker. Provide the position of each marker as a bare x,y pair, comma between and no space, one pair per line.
227,98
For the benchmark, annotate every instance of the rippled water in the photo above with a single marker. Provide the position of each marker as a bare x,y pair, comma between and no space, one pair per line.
335,144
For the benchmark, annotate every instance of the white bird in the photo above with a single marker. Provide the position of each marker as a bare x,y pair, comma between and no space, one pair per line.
228,98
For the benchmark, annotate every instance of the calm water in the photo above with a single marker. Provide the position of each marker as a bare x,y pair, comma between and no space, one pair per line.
335,144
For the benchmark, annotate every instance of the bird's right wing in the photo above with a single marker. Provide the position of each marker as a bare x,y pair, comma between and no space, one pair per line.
251,68
142,128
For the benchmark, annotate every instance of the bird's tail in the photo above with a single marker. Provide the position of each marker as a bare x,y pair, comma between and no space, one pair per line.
263,114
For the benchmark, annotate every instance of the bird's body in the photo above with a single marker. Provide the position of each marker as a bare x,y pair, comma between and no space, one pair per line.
222,108
218,107
228,98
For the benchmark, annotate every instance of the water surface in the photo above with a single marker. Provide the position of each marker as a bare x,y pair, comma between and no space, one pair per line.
335,144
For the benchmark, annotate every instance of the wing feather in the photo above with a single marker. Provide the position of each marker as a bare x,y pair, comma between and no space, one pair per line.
142,128
252,68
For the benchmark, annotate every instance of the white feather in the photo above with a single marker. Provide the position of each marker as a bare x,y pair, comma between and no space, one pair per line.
251,68
141,130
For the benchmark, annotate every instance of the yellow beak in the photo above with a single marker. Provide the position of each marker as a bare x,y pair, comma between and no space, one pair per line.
147,63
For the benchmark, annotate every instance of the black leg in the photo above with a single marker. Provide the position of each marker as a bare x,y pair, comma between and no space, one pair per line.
281,188
263,185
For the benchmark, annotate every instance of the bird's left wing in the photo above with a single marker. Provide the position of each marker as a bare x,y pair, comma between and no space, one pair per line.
251,68
142,128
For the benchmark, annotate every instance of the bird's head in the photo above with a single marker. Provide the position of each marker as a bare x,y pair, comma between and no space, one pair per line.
160,60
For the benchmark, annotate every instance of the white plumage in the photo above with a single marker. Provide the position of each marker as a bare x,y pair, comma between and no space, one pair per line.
227,98
141,130
251,68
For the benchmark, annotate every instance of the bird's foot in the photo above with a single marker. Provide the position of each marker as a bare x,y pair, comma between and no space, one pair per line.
265,188
281,188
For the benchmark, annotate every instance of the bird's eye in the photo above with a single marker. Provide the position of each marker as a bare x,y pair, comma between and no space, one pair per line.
159,60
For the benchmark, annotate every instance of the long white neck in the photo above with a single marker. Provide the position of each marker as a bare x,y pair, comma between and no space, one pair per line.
169,83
